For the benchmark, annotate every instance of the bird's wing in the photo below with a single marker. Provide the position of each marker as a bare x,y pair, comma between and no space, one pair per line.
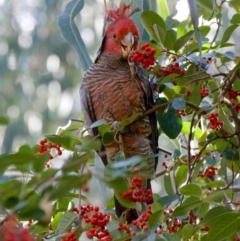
149,102
89,117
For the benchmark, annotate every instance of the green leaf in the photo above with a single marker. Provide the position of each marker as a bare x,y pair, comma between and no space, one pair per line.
55,221
65,141
112,227
170,39
72,125
66,221
71,32
215,184
228,127
187,231
228,32
119,190
189,204
67,183
235,19
155,219
127,122
217,196
168,78
231,154
163,9
168,184
186,129
194,17
204,30
154,25
170,122
181,175
167,200
180,42
4,120
222,223
191,190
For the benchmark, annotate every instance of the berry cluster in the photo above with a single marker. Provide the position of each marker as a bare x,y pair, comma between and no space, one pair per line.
136,193
232,94
215,123
210,172
15,234
204,92
142,221
11,230
173,224
124,227
98,221
164,164
236,106
145,56
70,237
192,217
181,112
46,146
170,69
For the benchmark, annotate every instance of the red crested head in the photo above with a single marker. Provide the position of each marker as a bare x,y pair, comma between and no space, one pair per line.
121,33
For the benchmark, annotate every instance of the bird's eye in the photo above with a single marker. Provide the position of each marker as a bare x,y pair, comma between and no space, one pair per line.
114,35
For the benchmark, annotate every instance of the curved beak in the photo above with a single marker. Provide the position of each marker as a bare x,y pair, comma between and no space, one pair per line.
127,44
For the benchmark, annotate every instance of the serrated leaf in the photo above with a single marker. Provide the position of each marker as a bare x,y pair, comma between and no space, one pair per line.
228,32
180,42
191,190
66,221
71,32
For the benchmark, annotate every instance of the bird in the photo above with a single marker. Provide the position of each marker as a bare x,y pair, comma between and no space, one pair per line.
114,89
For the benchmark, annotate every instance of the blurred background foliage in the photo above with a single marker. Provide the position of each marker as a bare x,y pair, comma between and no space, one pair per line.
40,72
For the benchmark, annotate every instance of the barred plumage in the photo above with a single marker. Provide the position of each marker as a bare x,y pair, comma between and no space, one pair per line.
113,90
